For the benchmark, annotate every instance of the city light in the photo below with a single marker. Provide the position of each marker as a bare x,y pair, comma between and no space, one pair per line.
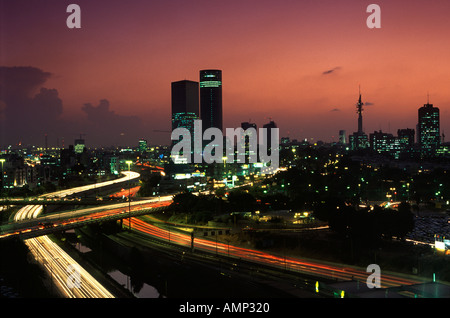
252,149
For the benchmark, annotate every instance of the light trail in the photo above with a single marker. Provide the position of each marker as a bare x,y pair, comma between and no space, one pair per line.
57,262
60,219
294,264
79,284
129,175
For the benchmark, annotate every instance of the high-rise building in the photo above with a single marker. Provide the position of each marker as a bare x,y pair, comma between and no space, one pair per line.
385,143
428,134
143,147
79,145
185,109
342,137
211,99
252,135
406,137
268,127
185,104
358,141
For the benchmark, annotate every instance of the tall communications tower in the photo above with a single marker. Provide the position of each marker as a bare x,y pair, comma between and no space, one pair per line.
359,109
359,140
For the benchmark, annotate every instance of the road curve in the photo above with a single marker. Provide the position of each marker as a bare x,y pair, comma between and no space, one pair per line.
310,267
67,275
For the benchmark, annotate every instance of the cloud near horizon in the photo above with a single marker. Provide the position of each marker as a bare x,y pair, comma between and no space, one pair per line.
103,123
28,111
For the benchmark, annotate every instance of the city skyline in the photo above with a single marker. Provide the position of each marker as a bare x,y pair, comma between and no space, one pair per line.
118,74
198,149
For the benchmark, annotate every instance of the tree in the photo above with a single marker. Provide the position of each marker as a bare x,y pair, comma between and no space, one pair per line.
404,220
149,183
184,202
241,201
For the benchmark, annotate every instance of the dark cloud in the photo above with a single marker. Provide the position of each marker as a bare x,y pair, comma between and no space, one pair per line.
19,82
48,103
331,71
104,124
29,111
102,113
368,104
335,110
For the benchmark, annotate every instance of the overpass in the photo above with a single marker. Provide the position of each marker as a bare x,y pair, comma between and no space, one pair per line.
39,229
57,201
53,259
30,226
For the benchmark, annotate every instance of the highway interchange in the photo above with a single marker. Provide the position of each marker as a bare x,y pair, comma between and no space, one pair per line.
67,275
73,281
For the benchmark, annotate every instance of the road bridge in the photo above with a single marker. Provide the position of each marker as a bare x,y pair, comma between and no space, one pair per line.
65,202
44,226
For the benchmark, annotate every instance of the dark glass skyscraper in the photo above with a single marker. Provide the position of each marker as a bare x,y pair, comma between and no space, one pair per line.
211,99
268,128
185,104
185,108
428,133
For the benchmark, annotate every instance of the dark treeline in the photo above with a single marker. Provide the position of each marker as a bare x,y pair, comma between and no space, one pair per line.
368,224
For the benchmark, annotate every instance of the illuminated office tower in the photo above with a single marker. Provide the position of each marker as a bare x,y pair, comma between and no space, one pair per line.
342,137
406,140
406,137
185,104
143,147
79,145
385,143
211,99
185,108
428,134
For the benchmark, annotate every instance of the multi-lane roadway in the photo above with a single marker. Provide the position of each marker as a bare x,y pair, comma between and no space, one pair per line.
70,278
28,222
308,267
74,281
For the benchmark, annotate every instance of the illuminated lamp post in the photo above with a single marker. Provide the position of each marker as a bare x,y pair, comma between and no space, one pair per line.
2,161
129,191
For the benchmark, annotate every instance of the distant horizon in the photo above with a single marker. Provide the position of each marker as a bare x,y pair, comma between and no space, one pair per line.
331,138
103,107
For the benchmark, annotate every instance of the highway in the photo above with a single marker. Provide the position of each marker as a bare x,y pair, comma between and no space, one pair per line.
29,224
314,268
129,175
70,278
59,264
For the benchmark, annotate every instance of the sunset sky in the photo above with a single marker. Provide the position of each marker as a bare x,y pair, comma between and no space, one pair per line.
296,62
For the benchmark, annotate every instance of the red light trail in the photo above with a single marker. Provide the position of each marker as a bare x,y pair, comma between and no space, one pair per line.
291,263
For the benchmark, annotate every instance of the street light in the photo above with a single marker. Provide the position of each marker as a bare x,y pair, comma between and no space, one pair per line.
129,191
2,161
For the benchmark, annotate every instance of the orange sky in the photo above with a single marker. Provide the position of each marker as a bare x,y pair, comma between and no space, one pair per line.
272,53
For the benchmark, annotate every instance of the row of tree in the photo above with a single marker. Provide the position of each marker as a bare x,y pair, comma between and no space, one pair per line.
370,224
